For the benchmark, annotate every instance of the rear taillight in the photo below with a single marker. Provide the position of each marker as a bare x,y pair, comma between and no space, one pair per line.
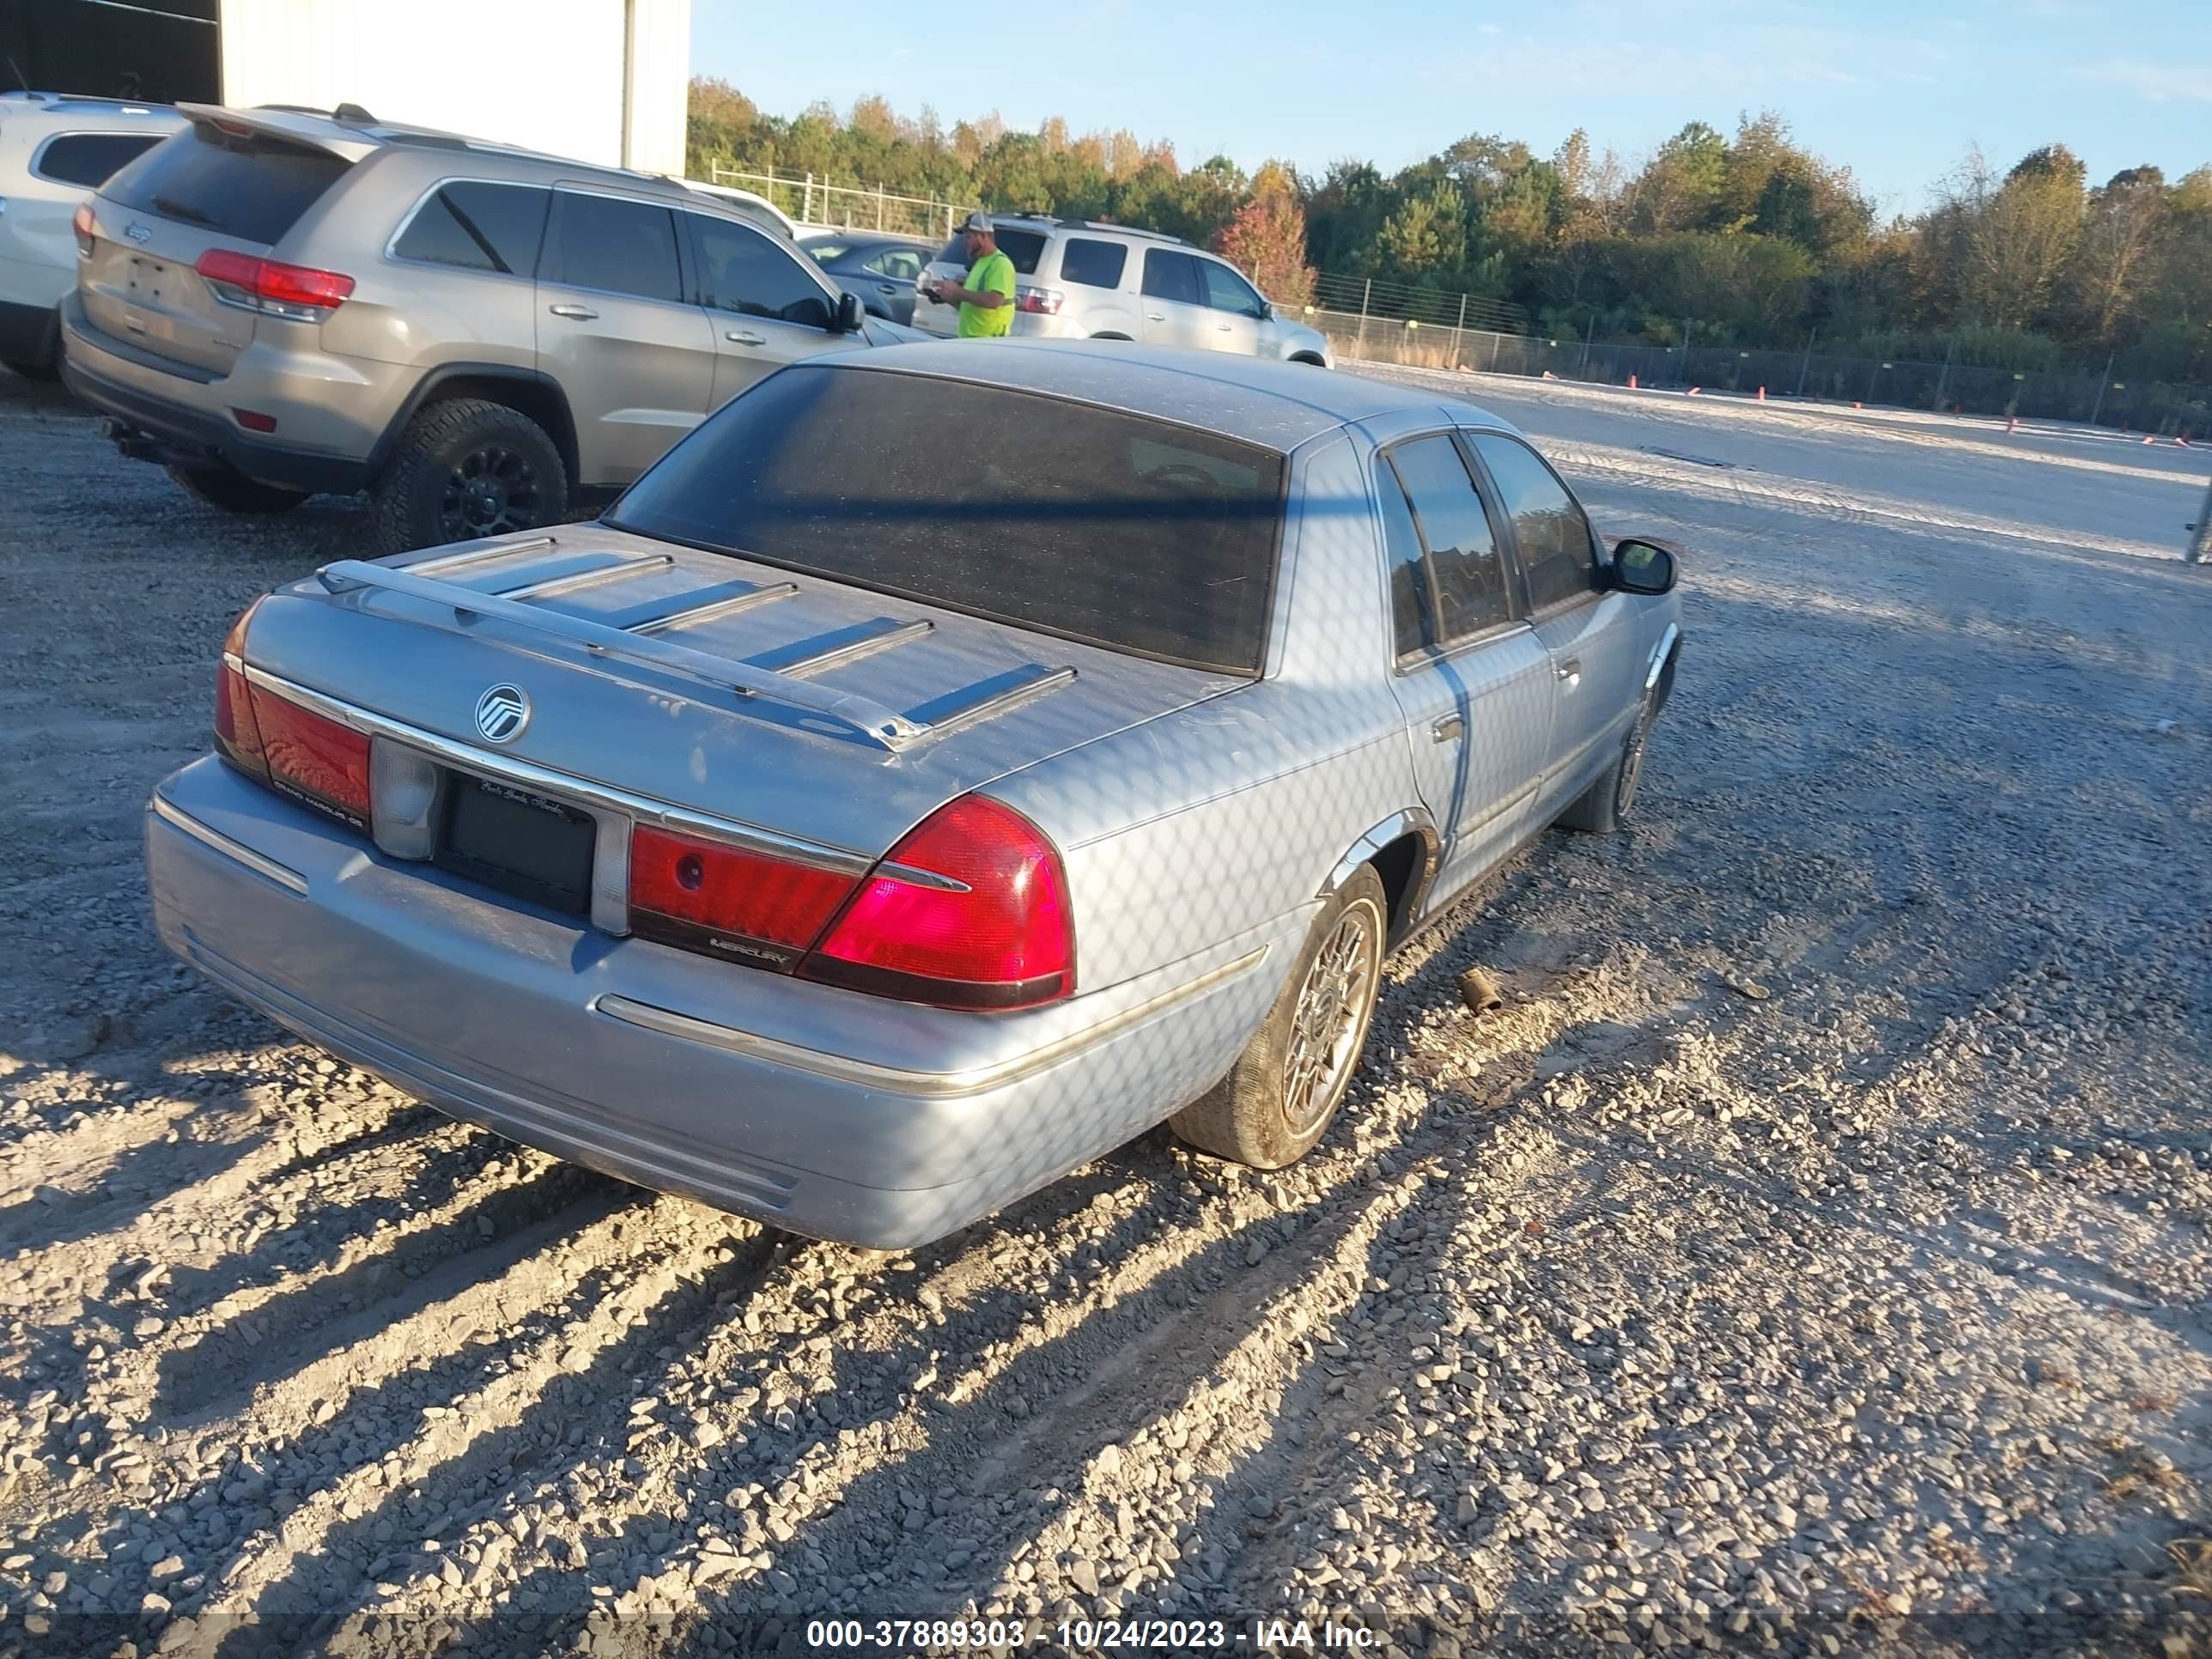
1045,302
292,749
312,758
970,910
84,225
709,896
270,285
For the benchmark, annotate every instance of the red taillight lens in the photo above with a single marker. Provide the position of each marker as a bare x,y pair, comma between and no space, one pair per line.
84,225
239,279
970,910
313,759
709,896
1045,302
235,731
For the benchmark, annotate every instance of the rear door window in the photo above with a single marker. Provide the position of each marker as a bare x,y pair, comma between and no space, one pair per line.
1171,276
741,271
253,188
1411,611
1466,571
478,226
1023,247
1065,518
901,264
1557,555
90,158
1093,263
614,245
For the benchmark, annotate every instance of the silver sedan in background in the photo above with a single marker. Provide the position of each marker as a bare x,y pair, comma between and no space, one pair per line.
858,830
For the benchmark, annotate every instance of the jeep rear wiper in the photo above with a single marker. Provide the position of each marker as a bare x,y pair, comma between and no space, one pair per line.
171,209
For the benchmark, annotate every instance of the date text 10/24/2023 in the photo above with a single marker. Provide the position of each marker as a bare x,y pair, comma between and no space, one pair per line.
1090,1636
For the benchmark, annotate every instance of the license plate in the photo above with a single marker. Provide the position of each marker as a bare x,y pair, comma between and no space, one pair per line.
518,842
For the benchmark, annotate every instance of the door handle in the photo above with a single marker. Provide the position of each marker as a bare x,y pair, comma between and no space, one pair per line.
574,314
1572,669
1445,727
1222,328
736,338
885,288
1154,317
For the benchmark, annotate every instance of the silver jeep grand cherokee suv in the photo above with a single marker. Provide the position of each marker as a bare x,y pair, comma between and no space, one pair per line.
276,303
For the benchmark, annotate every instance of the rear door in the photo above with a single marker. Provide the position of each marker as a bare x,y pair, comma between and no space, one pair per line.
616,327
1238,310
1589,633
1472,679
1174,312
890,274
767,309
227,185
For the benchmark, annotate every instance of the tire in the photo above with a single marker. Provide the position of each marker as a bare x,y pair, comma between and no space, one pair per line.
1606,804
33,371
463,469
1253,1115
234,492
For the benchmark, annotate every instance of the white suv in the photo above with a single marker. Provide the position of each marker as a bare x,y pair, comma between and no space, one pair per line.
54,152
1081,280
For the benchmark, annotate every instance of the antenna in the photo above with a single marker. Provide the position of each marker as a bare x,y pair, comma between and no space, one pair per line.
24,79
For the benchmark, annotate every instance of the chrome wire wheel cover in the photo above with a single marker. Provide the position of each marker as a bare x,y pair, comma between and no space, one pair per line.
1330,1019
1631,767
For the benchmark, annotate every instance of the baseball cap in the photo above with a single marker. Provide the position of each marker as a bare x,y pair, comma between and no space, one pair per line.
977,222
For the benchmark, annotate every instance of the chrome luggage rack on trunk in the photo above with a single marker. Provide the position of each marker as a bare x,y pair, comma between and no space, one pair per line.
776,677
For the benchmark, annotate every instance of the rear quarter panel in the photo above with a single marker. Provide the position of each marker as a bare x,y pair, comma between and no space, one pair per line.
1235,812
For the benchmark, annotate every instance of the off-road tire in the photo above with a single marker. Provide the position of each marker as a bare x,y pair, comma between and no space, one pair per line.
1246,1117
1606,804
413,503
234,492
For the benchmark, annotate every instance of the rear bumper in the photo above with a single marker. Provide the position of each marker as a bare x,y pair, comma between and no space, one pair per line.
680,1074
187,422
28,334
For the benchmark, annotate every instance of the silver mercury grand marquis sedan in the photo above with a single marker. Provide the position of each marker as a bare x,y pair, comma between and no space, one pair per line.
949,763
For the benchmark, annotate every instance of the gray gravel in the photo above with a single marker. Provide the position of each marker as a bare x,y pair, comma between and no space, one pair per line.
1810,1257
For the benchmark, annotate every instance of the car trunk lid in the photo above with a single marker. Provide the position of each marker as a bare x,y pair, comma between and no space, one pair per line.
810,710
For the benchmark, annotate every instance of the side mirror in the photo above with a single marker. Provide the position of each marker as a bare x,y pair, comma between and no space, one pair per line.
850,314
1643,567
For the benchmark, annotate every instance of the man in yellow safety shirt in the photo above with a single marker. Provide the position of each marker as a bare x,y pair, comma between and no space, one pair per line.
986,295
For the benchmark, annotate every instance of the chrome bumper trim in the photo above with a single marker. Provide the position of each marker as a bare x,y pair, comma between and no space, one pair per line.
291,879
897,1080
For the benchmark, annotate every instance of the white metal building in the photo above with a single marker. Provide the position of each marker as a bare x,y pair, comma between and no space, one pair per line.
601,80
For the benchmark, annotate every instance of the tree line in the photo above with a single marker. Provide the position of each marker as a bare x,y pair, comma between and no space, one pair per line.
1747,239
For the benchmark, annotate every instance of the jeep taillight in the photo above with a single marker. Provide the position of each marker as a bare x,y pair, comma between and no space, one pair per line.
85,227
254,284
970,910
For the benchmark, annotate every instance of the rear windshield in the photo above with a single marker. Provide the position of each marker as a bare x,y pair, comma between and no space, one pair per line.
1023,247
254,188
1088,523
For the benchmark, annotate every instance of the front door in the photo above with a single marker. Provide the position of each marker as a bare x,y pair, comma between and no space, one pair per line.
1589,633
1175,310
767,309
617,329
1239,314
1474,681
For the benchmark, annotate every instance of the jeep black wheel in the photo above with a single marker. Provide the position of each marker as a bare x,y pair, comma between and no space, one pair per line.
467,469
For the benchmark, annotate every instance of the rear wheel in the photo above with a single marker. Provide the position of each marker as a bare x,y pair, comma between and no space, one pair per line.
464,469
1284,1088
234,492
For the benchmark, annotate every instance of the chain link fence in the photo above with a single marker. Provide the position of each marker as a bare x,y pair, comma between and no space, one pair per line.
2164,408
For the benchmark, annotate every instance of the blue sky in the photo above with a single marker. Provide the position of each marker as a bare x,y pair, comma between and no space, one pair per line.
1895,90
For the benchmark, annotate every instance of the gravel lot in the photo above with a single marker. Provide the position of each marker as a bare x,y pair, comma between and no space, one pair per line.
1812,1257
